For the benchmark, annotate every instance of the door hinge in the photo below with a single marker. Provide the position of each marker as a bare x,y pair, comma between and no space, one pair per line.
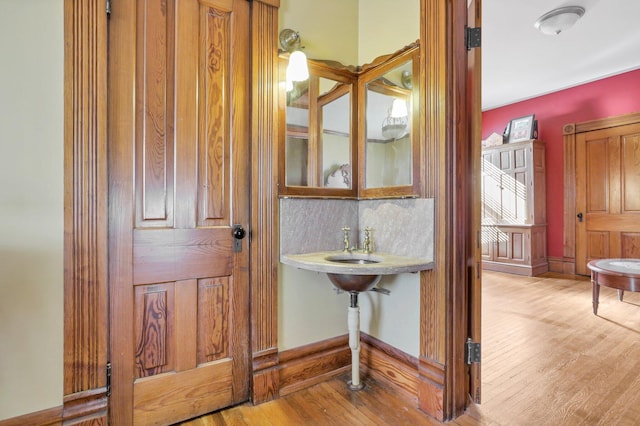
473,37
108,379
107,6
472,351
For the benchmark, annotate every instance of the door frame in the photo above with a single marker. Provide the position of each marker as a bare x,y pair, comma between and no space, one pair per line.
570,131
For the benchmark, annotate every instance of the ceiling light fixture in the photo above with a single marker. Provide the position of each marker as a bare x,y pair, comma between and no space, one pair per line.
559,20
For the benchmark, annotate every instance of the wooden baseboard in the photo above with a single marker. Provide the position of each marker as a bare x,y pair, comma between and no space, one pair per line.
389,365
50,416
308,365
82,408
431,388
518,269
311,364
265,376
86,406
562,265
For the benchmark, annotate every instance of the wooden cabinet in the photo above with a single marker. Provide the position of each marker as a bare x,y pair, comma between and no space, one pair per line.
514,232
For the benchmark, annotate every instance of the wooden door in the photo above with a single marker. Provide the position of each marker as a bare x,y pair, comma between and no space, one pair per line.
179,299
607,194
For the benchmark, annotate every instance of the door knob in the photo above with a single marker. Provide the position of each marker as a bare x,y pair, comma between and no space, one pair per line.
238,234
579,216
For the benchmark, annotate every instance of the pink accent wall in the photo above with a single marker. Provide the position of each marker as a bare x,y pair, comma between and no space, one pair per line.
608,97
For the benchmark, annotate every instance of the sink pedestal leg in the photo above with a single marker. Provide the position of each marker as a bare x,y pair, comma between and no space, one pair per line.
353,324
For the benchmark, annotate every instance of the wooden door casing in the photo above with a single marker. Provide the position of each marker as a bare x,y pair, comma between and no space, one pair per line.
607,194
476,250
179,173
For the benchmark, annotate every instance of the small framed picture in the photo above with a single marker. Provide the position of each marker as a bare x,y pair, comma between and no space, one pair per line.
521,129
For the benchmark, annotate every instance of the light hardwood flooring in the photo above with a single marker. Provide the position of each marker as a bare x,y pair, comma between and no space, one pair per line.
546,360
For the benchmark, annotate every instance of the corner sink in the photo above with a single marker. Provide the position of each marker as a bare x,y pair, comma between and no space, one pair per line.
356,263
355,272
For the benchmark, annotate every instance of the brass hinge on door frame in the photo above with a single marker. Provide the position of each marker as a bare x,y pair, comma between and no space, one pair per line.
472,351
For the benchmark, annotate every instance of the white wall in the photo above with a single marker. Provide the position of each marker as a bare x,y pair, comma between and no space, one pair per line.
31,206
337,41
386,26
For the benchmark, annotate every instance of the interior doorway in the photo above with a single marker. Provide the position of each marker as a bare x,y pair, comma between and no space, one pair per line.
602,189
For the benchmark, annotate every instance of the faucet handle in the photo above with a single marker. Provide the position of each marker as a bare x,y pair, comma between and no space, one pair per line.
367,240
345,240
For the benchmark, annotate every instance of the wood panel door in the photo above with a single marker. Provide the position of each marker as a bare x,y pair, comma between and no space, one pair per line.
607,194
179,181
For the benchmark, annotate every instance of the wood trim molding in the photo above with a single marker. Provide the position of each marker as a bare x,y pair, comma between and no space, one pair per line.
389,365
274,3
50,416
308,365
122,63
82,408
570,131
445,290
264,218
602,123
432,388
85,203
569,155
89,406
562,265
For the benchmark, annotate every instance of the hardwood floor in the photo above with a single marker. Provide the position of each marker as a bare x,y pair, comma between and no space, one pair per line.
546,360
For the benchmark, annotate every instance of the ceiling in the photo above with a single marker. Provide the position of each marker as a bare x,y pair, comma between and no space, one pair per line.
519,63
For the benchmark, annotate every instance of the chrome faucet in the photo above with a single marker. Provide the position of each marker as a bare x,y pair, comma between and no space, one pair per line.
368,242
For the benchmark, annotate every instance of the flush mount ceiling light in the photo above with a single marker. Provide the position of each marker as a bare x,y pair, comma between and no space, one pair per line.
559,20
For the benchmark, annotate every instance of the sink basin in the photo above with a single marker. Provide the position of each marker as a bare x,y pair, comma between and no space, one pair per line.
354,258
349,282
353,282
354,261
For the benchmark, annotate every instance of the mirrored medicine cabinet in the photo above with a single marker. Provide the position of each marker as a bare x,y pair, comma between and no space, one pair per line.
352,132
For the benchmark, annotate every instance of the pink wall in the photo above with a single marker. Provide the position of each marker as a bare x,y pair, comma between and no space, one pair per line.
608,97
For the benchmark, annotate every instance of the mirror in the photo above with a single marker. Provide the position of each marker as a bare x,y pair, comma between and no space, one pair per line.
388,128
334,134
331,128
320,139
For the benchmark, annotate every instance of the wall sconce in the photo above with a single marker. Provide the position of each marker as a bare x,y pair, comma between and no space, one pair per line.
558,20
396,123
297,70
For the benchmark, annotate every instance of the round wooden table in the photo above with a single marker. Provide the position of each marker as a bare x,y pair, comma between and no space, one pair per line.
621,274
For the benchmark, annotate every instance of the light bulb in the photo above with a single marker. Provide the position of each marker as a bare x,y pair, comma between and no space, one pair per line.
399,108
297,69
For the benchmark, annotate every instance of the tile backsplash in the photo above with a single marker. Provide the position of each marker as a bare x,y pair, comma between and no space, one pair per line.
399,226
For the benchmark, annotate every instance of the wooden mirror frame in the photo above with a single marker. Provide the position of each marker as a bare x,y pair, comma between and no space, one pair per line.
379,68
327,70
357,77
